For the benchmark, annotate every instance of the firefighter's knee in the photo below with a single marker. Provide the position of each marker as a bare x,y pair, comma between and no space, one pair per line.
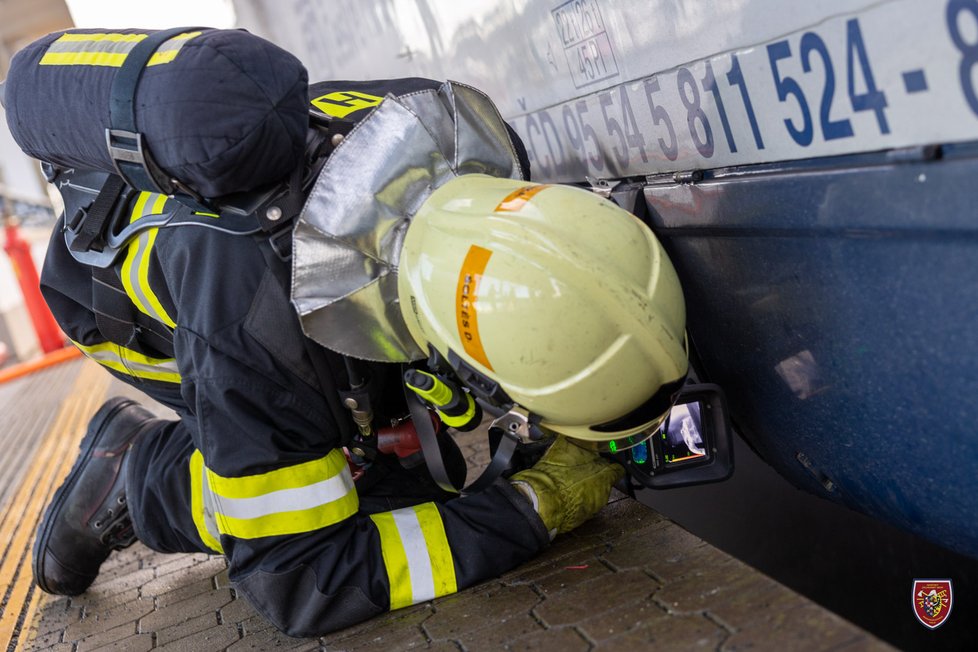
293,602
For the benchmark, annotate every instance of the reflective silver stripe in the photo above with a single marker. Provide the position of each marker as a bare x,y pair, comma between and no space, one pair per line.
416,551
294,499
418,558
135,267
210,508
138,252
201,505
134,366
136,280
303,497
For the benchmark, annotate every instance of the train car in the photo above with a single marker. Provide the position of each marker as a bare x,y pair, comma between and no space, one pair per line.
809,167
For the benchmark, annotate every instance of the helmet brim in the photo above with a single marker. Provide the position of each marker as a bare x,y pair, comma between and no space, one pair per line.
616,442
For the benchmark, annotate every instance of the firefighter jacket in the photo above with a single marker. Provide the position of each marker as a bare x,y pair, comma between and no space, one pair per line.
253,468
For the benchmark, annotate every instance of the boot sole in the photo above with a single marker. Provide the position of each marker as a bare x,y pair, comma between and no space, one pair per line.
88,444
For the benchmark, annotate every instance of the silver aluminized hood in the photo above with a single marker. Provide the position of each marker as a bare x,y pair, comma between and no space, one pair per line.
347,239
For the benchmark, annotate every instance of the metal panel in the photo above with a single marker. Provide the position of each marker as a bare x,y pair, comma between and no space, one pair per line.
613,89
837,306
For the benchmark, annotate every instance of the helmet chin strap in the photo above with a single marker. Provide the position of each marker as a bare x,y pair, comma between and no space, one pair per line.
513,425
501,457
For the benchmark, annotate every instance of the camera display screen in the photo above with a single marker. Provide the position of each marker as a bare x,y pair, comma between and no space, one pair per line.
681,435
693,445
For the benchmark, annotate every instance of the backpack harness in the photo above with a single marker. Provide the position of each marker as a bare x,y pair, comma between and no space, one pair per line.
96,234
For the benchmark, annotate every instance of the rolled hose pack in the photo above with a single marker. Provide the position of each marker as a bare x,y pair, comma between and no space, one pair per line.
222,111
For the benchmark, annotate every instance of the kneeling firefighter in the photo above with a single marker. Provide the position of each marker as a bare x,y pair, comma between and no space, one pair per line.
402,245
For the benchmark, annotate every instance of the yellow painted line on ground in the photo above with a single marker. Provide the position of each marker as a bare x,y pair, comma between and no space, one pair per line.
56,453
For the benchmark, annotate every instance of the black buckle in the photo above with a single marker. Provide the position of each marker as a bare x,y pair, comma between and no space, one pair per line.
74,223
134,152
281,243
129,148
481,385
89,228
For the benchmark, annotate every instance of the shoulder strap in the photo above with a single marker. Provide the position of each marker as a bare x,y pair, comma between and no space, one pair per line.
327,369
90,230
127,147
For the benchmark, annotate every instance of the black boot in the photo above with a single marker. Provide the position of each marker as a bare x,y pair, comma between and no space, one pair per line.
88,517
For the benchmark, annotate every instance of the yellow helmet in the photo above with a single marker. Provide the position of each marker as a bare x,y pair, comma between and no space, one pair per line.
564,300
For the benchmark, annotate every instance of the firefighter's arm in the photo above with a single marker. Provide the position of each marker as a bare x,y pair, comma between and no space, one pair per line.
273,489
286,512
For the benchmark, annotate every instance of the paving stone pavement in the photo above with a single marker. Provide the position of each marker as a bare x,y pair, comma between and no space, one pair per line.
629,579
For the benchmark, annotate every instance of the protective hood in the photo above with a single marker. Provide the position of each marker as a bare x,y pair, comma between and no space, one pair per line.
347,240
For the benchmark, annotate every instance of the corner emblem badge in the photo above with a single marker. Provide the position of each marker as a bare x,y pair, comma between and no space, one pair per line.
932,601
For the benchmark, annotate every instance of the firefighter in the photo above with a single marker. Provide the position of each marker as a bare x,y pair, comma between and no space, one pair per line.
548,300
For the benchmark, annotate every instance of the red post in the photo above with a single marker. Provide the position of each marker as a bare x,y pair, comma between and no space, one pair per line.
19,251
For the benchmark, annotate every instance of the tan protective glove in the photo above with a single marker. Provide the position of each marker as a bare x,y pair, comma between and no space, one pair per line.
568,485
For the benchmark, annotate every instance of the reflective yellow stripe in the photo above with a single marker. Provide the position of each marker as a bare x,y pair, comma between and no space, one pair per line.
416,554
440,553
135,267
110,59
395,561
107,59
291,477
139,208
156,309
132,253
204,521
289,522
129,362
107,49
300,498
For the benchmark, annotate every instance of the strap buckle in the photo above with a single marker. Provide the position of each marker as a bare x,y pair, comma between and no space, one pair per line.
132,161
281,243
515,424
133,152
